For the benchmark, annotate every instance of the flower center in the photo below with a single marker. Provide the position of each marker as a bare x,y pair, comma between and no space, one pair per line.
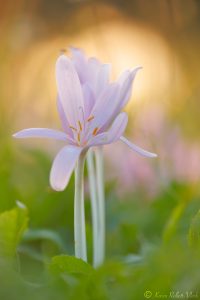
82,131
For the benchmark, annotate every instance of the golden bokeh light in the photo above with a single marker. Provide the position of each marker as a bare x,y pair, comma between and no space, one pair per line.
122,42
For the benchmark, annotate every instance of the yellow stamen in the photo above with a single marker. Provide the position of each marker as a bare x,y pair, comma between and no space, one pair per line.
79,137
90,118
73,128
80,125
95,131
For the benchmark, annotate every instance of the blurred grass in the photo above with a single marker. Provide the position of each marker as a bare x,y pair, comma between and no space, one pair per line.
142,236
136,252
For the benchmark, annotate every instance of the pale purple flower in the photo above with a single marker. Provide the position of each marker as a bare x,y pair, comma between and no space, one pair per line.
90,107
179,158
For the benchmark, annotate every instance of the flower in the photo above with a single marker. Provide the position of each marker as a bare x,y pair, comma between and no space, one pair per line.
132,173
90,107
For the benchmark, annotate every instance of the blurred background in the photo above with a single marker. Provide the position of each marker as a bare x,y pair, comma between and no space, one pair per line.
144,197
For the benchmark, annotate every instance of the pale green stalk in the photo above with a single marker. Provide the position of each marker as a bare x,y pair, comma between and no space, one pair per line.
94,206
101,202
79,211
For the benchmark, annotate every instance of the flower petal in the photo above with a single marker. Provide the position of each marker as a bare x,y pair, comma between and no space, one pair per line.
126,86
110,108
63,166
63,118
93,69
114,133
69,90
89,99
90,71
137,149
123,76
80,62
104,106
118,127
102,78
41,133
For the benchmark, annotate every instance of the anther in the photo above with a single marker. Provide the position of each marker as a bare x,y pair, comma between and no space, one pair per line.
95,131
73,128
79,137
80,125
90,118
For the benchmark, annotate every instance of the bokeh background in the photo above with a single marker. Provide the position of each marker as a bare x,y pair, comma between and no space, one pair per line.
148,201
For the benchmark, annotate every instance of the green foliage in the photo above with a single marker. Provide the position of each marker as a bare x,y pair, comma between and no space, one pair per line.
64,264
147,239
194,232
13,223
43,234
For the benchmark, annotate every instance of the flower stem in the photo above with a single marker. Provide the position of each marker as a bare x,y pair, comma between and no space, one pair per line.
79,212
101,202
94,206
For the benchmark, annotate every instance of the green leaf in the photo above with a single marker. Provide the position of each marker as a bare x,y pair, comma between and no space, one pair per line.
65,264
44,234
171,226
13,223
194,231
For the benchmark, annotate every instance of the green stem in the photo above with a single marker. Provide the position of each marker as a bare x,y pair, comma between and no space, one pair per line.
101,202
94,206
173,220
79,212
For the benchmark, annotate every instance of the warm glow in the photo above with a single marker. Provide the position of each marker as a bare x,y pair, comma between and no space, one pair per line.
123,43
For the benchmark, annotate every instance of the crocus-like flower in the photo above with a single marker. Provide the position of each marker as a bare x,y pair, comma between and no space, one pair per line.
90,107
